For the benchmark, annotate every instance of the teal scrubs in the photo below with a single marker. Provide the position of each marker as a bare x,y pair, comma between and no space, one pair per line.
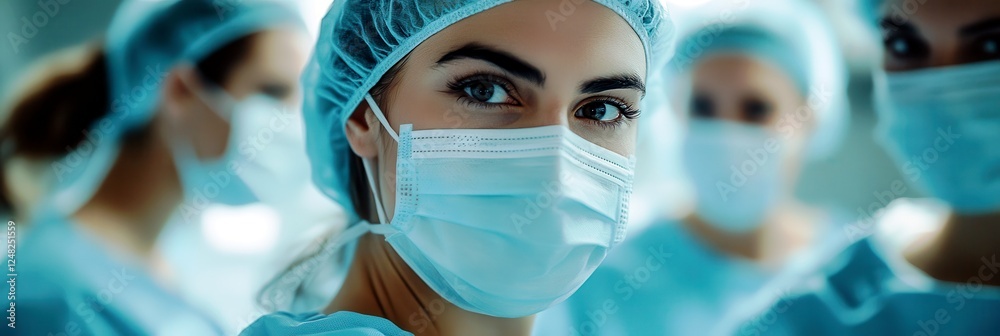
68,283
336,324
661,281
870,289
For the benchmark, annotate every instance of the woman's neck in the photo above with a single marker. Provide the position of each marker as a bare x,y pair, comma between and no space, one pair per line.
770,243
380,283
136,199
966,248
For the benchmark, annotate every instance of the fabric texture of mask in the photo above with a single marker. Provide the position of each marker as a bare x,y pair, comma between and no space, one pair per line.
504,222
802,44
735,170
941,127
361,40
145,41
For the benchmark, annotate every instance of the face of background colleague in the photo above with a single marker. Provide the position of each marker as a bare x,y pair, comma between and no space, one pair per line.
939,33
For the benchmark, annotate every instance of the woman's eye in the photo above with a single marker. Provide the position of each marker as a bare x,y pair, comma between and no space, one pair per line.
600,111
992,47
276,91
756,110
985,49
702,106
905,47
487,92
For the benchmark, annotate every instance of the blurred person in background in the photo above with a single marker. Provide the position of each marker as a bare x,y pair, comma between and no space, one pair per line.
135,129
921,266
759,96
442,122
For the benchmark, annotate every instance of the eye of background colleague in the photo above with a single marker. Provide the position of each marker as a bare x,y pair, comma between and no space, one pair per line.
271,66
751,110
702,106
756,110
941,34
742,89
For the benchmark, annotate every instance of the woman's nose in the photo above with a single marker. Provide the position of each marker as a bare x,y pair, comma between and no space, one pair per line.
550,113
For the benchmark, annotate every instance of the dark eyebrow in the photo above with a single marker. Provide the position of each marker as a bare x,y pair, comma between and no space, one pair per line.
623,81
980,27
890,24
500,58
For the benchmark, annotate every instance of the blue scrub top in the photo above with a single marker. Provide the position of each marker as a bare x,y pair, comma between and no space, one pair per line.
68,283
662,281
870,289
336,324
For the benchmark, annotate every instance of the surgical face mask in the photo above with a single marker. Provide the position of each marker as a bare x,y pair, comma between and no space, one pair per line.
735,170
271,146
503,222
215,180
942,127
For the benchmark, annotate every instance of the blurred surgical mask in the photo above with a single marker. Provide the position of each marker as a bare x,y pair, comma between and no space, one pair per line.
735,170
942,126
215,180
271,145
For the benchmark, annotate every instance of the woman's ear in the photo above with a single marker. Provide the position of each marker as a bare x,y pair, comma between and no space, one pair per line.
186,114
361,133
176,95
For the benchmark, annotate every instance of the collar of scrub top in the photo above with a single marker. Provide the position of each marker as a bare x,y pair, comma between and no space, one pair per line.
145,41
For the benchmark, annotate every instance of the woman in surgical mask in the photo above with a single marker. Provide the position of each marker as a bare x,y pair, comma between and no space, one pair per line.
920,266
132,132
759,97
492,146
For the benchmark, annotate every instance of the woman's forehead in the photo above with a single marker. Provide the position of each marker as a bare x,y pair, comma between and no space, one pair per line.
592,41
938,17
741,70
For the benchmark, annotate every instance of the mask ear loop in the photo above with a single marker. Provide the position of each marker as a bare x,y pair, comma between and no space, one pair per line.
381,117
224,112
375,194
367,163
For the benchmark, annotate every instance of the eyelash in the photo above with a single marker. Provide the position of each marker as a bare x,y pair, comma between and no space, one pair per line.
628,112
457,88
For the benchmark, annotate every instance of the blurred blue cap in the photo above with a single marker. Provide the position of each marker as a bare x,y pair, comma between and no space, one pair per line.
792,35
145,41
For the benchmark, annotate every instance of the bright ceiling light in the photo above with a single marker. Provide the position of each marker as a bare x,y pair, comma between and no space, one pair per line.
247,229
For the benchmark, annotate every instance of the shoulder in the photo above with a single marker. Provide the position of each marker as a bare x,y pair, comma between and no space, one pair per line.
650,239
336,324
73,285
826,297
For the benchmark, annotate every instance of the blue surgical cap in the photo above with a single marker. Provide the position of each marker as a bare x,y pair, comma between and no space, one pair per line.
145,41
869,10
748,39
361,40
794,36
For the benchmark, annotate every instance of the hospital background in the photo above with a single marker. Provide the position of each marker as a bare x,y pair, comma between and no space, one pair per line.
852,179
